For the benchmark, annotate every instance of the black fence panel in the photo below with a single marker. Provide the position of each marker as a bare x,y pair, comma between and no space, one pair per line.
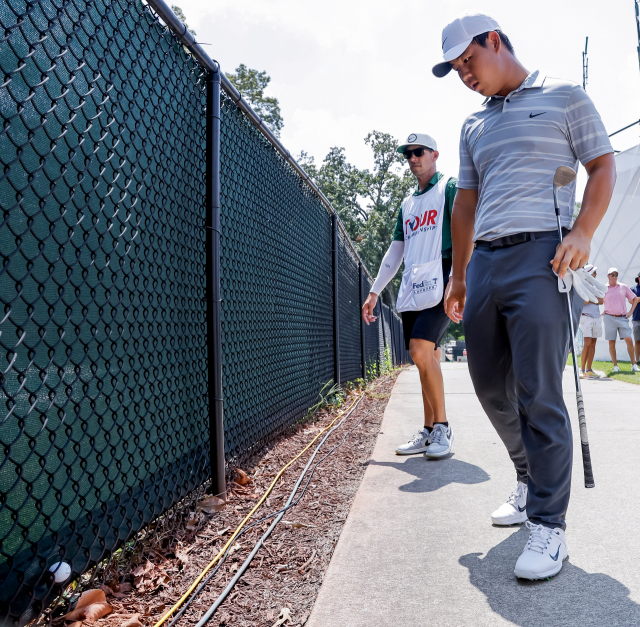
372,338
276,281
103,326
349,307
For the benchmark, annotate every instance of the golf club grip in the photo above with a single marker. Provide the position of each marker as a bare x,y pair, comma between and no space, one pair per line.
584,440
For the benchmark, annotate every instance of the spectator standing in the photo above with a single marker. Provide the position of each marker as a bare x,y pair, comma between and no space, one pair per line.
616,317
635,320
591,328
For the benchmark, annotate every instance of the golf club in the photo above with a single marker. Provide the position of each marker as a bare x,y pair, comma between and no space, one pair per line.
563,176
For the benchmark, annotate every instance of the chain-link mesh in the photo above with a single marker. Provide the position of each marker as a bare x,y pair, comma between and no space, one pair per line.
102,286
349,307
277,302
103,330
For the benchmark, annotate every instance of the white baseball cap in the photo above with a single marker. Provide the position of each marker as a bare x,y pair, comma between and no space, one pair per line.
457,36
419,139
613,270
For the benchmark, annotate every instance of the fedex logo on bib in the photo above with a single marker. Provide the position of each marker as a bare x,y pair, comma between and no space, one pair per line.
425,286
421,224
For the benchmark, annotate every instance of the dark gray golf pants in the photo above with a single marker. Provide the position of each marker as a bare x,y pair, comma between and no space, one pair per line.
517,333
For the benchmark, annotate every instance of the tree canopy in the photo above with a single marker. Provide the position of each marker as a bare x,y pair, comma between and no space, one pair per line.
251,84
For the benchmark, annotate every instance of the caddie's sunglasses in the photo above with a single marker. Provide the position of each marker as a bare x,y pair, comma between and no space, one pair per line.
418,152
614,274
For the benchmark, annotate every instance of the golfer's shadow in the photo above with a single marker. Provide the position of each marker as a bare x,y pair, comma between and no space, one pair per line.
431,475
573,597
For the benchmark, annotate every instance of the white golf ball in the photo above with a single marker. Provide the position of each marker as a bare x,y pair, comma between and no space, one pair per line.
61,571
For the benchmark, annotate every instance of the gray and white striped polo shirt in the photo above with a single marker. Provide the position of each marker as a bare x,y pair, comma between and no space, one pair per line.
510,150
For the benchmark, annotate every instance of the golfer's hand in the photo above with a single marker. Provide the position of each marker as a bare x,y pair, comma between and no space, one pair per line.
572,253
455,299
368,307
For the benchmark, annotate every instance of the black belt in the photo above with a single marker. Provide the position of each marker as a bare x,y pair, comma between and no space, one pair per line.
518,238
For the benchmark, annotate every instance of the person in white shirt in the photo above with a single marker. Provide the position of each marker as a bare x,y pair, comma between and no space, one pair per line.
591,327
423,238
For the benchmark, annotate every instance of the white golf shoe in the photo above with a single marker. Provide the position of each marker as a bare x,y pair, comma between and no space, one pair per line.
616,369
635,368
543,554
514,511
419,443
441,442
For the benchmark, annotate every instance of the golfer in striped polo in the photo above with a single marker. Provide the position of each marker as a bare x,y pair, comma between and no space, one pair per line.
505,252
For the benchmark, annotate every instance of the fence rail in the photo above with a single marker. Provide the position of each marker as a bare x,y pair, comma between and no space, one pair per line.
165,260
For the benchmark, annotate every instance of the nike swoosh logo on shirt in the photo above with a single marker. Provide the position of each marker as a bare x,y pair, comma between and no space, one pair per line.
536,115
555,557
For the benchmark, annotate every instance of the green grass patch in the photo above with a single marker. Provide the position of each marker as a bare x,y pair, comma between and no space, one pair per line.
625,374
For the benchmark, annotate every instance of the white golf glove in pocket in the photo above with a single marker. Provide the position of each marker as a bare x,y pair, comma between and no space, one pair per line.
586,286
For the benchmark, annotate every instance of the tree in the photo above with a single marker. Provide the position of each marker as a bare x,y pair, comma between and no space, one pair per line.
367,201
181,16
251,84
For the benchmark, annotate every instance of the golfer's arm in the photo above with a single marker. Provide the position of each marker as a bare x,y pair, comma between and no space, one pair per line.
463,219
597,194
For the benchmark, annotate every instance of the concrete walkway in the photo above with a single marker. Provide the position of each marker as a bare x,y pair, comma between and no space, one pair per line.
418,547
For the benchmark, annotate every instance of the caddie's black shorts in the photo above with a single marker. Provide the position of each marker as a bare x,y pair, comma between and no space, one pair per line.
428,324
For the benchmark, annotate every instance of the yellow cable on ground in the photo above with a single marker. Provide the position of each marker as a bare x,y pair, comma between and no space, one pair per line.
198,579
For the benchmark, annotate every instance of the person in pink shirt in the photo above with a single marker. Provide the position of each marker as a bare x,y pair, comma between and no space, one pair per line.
616,317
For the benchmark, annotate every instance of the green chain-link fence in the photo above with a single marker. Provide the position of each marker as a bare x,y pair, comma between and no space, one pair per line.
103,332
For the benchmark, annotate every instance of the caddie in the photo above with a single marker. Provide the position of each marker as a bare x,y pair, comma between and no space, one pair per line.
422,238
505,252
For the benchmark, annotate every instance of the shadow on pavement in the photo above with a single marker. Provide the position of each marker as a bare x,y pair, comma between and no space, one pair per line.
431,475
571,598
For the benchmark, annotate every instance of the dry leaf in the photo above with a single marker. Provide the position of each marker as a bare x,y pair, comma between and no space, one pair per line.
124,586
211,505
242,478
285,615
296,525
234,548
140,570
159,608
183,556
223,531
192,523
134,621
234,567
77,623
91,612
90,596
106,589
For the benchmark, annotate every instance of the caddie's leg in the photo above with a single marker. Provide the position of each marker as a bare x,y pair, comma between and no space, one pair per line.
612,352
630,349
538,329
489,357
425,358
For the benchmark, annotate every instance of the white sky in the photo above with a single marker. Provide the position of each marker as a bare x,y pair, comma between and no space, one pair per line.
341,68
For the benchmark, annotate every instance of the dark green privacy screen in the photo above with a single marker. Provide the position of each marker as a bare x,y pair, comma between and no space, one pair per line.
276,284
105,418
104,423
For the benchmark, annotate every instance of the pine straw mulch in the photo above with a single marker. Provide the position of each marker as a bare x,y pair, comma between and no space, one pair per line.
282,583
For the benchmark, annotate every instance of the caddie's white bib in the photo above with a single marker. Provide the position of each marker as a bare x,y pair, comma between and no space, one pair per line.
422,281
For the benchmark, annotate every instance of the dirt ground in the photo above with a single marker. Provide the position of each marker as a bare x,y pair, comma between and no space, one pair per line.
283,580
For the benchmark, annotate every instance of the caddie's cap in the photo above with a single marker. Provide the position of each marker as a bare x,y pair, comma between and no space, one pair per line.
638,279
590,268
457,36
419,139
611,270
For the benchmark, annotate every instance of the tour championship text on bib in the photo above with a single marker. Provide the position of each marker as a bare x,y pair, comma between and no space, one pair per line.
422,281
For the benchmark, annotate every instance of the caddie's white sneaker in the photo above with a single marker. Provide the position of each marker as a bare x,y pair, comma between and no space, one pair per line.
544,553
441,442
616,369
514,511
419,443
635,368
581,373
590,374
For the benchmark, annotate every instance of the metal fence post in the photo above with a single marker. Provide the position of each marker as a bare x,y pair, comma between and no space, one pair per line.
363,352
336,301
214,331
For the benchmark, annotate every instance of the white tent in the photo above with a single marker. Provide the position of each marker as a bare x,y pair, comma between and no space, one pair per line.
616,242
